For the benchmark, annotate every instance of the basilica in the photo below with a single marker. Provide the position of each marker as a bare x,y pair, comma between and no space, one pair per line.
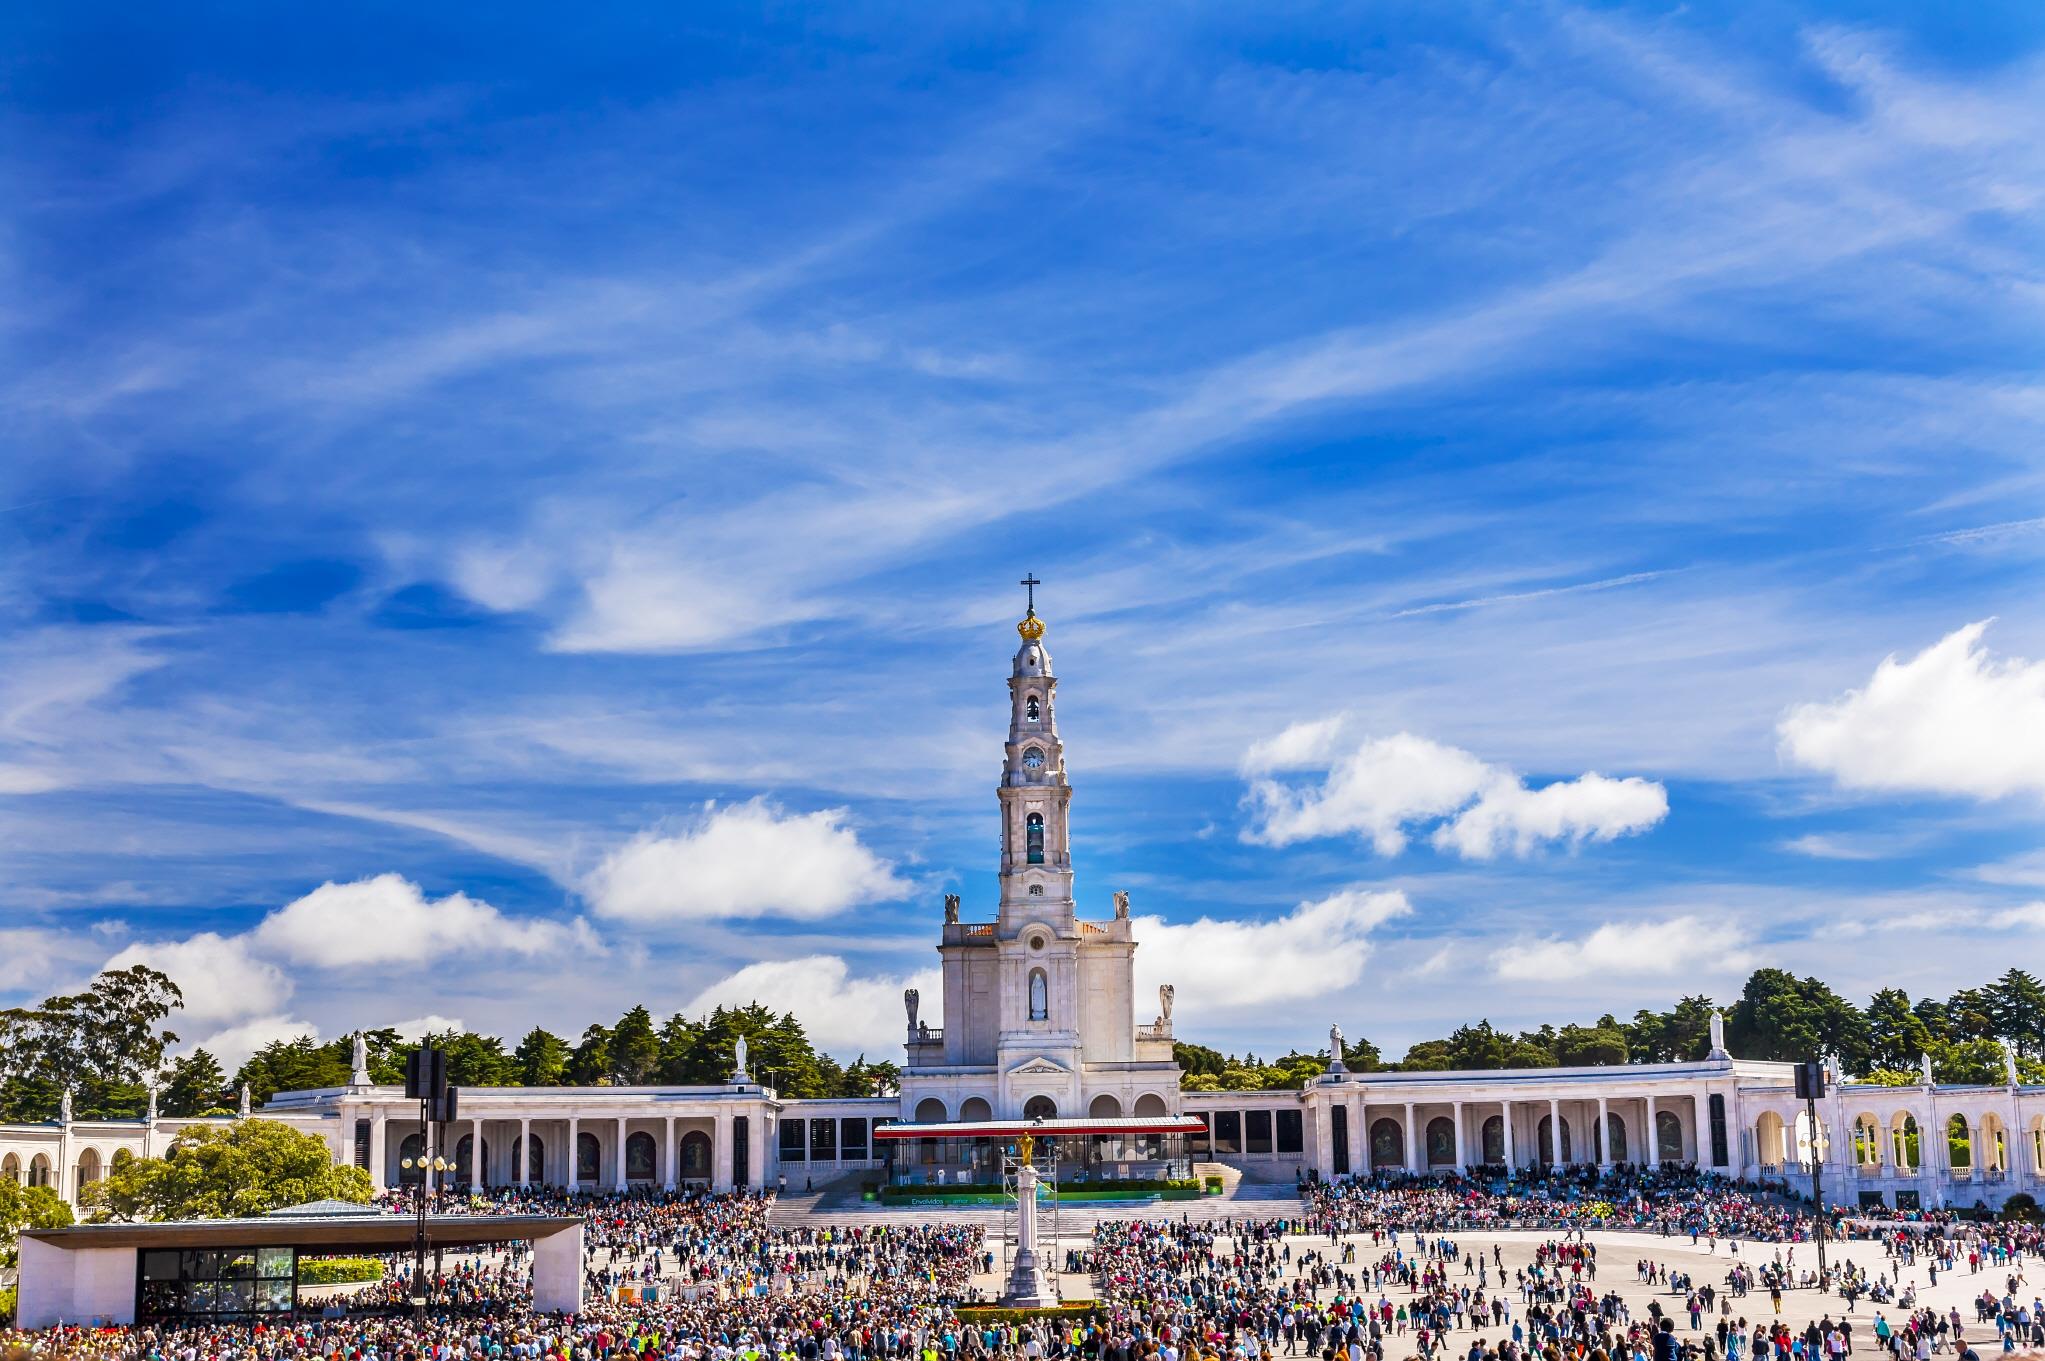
1039,1029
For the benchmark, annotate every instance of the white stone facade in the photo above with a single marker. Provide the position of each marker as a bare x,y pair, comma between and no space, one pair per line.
1039,1016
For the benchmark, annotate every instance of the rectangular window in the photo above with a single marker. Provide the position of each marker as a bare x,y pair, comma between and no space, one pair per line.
1258,1125
1201,1144
1338,1135
823,1141
362,1143
794,1141
237,1283
1291,1138
1719,1157
1228,1132
852,1138
1907,1200
741,1150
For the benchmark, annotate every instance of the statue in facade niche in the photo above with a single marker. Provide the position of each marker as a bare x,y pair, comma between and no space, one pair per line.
242,1109
1121,907
951,909
1165,993
910,999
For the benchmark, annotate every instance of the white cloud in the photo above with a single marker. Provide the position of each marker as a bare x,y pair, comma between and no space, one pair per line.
19,779
419,1027
2031,916
233,1045
745,860
1375,790
387,920
1591,807
1384,785
221,979
1642,949
1820,846
842,1015
1221,967
1951,720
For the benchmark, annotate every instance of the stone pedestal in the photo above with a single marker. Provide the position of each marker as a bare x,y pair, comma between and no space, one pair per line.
1028,1286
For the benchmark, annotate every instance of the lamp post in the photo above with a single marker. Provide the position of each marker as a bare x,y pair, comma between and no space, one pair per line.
426,1167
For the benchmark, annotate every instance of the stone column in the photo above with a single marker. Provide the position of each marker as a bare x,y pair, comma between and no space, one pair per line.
1700,1117
479,1172
1414,1153
1462,1149
1359,1136
574,1165
667,1156
1604,1143
1554,1132
720,1155
1324,1150
1654,1136
1505,1122
525,1151
377,1173
620,1180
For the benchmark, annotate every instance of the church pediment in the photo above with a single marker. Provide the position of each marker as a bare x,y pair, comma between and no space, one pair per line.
1039,1067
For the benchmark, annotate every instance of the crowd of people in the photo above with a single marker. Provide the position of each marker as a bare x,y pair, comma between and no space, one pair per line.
1365,1270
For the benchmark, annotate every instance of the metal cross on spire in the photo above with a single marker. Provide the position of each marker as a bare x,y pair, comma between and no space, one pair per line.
1030,584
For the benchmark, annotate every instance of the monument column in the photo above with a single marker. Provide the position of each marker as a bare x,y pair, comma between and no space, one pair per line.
721,1154
376,1148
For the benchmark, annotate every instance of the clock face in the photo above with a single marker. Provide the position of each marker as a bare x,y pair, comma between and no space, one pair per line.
1033,759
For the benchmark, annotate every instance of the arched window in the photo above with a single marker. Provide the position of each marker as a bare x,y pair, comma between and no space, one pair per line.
696,1155
1668,1137
536,1159
1040,996
1031,709
1387,1144
1036,890
1441,1142
465,1171
1035,838
1615,1138
1959,1143
10,1168
588,1157
1494,1141
1546,1136
1040,1108
39,1173
639,1157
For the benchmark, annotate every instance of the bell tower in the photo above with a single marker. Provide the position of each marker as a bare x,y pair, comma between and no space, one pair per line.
1036,845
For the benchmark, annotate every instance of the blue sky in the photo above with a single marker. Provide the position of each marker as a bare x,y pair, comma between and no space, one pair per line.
501,521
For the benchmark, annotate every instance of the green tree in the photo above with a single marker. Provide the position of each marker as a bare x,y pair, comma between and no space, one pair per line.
541,1059
1780,1016
2016,1003
590,1064
679,1037
218,1172
1896,1033
194,1085
293,1065
1579,1046
1198,1058
635,1049
100,1044
27,1207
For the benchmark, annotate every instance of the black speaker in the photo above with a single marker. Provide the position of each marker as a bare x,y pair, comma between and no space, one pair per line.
444,1108
1810,1080
425,1074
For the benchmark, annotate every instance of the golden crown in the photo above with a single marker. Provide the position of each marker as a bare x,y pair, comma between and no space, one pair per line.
1031,627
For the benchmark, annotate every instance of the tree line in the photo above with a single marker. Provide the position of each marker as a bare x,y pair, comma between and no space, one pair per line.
106,1043
1776,1016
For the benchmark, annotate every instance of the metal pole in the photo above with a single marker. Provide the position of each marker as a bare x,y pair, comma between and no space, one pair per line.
419,1233
1817,1184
